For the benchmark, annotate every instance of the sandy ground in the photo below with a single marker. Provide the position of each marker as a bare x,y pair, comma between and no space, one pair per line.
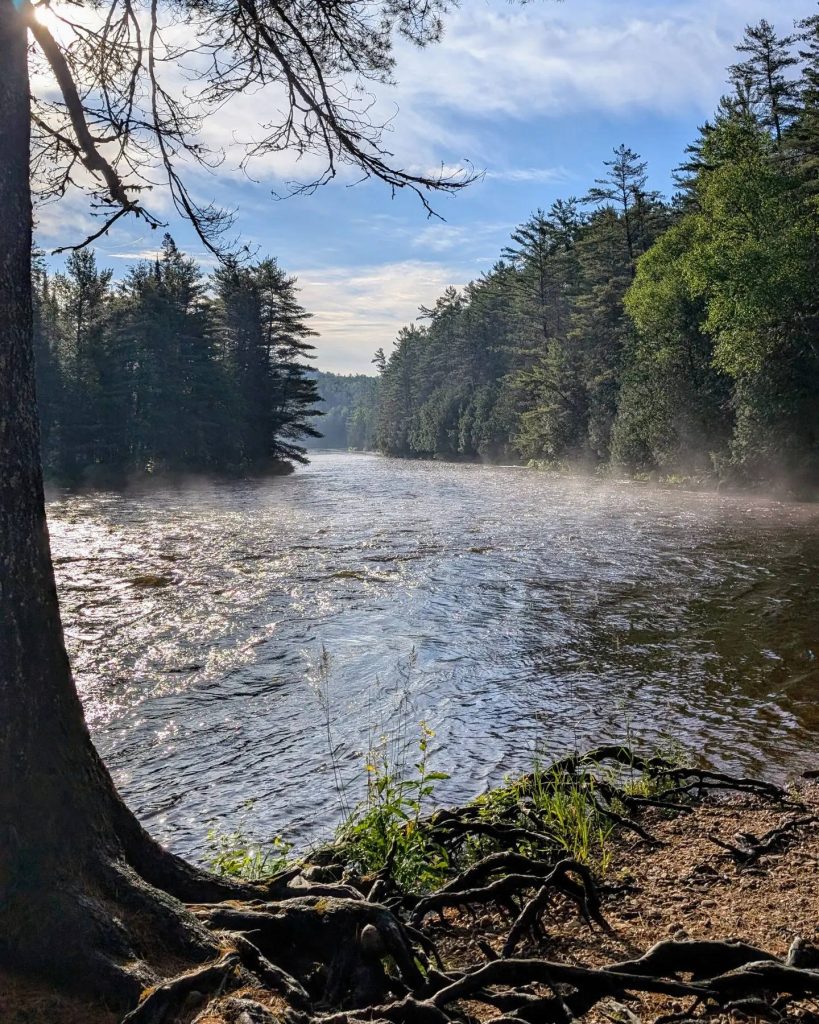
689,888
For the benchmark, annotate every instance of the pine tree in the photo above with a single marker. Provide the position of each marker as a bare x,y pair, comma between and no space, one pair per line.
762,76
624,187
83,298
264,335
803,136
50,389
158,377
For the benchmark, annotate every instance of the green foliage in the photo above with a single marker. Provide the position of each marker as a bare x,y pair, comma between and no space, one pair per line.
234,855
561,811
386,828
564,810
667,339
674,405
391,831
762,81
526,361
726,306
168,373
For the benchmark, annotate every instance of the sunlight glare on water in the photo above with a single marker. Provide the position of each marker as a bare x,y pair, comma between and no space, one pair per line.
544,612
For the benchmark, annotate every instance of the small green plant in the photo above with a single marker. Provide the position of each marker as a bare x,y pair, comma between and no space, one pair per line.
568,810
386,828
653,784
234,855
320,675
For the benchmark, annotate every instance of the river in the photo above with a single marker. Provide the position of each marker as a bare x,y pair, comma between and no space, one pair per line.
514,612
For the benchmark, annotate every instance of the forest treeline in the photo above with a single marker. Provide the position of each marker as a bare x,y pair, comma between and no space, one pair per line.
349,411
625,329
619,329
168,372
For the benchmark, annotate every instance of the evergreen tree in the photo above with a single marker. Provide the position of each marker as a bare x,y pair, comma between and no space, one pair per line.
157,376
50,389
762,76
264,337
624,187
349,411
668,337
803,136
83,297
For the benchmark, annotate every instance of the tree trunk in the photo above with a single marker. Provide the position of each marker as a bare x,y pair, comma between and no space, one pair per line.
80,880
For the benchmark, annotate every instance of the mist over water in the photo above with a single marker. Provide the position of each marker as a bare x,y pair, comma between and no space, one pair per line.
544,613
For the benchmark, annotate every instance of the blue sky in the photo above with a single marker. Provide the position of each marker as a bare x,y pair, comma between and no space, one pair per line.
535,95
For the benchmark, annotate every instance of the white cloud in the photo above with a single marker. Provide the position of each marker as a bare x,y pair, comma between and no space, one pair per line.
356,310
502,60
498,63
499,60
532,175
139,254
440,236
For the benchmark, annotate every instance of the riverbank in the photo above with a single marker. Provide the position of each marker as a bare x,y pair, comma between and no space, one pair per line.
723,872
778,489
687,889
101,479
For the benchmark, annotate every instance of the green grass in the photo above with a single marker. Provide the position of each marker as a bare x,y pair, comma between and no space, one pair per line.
235,855
390,830
556,805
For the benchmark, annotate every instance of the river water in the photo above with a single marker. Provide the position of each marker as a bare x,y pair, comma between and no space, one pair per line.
514,612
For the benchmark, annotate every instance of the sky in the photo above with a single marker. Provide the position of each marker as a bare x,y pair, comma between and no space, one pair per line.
534,96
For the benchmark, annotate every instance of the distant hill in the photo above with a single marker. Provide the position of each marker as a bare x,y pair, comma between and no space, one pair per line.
349,407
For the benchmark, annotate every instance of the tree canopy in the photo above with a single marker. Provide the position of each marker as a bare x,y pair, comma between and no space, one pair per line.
168,372
662,336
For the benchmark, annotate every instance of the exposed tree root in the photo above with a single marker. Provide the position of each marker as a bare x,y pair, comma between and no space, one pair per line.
273,977
314,946
163,1002
348,938
699,780
559,879
748,848
584,895
451,827
332,944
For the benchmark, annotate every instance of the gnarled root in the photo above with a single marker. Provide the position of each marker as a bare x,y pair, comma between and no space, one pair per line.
583,894
748,848
738,972
336,945
316,939
548,880
164,1001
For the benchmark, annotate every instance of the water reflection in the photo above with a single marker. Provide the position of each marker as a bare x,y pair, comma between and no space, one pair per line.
543,613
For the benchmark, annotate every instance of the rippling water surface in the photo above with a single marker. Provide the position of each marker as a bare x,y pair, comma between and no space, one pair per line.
544,613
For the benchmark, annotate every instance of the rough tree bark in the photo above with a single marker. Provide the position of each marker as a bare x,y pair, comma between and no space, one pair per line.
82,885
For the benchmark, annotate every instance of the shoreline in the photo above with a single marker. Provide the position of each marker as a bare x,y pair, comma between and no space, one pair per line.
730,871
146,482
